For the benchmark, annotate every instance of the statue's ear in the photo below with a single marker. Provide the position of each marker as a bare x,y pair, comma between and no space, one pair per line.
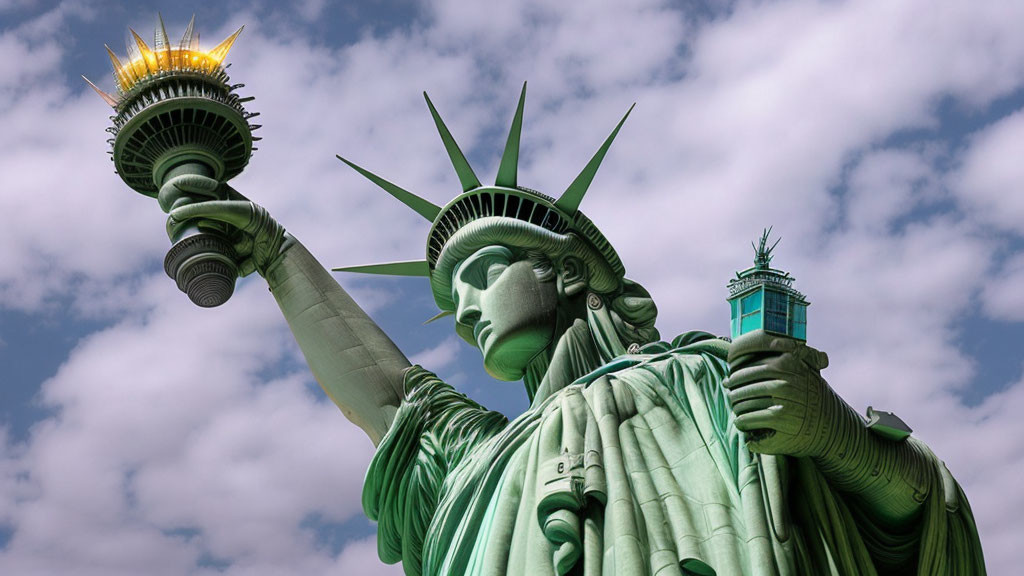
572,276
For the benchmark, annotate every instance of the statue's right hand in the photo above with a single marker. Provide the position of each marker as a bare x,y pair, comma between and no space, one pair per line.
257,237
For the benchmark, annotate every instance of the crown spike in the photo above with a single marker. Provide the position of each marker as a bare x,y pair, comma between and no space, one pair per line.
415,268
221,50
570,200
438,316
186,38
464,171
106,97
509,168
422,207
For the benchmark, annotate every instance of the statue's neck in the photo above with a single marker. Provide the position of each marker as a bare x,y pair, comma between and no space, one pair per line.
572,356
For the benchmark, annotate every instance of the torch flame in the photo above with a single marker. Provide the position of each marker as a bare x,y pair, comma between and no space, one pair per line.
144,62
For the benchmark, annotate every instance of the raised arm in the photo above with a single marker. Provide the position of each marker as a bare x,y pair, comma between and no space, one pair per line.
354,361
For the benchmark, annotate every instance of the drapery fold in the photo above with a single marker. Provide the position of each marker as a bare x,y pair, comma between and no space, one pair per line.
632,471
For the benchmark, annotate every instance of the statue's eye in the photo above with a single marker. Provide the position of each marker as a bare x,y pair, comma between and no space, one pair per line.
474,273
494,271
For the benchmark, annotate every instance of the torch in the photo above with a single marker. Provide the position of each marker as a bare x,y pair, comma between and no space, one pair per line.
176,114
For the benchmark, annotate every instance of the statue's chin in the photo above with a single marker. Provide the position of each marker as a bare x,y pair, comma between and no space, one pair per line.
507,354
503,370
507,361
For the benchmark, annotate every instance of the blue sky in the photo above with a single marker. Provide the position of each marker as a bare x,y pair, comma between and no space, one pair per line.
139,434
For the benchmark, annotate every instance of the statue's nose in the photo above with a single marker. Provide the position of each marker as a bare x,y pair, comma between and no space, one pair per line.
468,311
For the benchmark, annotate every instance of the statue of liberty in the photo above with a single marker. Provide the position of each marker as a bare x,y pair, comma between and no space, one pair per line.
637,455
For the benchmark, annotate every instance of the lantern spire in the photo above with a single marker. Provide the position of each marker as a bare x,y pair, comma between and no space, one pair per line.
762,253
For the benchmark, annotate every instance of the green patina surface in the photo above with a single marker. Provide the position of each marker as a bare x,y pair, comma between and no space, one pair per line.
636,456
635,470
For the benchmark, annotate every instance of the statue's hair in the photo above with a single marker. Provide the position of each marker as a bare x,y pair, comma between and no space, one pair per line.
631,309
633,312
542,265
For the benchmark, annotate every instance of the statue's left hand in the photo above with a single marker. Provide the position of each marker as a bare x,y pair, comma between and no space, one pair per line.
776,391
257,237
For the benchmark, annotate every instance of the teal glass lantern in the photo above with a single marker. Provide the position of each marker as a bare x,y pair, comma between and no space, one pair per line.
763,298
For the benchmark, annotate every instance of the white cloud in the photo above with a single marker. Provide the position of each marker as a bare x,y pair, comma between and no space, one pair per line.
991,180
310,10
11,5
982,447
69,219
360,557
771,114
886,185
166,423
23,62
1002,295
440,356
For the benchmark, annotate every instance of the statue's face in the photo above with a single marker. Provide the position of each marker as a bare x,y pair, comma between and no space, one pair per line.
504,309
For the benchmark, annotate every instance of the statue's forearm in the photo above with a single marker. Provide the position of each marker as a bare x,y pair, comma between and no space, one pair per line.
889,478
354,361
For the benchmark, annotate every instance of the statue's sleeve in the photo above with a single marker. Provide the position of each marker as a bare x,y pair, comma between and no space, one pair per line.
837,535
434,429
943,541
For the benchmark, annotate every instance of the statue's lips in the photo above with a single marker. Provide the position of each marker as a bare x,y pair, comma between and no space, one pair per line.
480,331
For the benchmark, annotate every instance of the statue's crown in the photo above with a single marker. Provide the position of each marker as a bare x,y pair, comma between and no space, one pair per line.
504,213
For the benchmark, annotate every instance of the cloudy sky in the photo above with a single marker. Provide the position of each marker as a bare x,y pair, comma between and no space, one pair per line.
142,435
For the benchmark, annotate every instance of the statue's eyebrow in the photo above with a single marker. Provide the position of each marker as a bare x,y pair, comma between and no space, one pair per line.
473,270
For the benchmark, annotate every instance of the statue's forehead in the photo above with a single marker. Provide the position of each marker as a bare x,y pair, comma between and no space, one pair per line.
486,254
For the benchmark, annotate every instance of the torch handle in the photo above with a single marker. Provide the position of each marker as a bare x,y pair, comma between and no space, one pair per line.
199,169
202,259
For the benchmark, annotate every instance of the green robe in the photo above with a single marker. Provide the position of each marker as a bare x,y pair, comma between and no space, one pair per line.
635,468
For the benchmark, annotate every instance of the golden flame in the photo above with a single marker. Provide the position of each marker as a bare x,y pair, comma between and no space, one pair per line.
144,62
